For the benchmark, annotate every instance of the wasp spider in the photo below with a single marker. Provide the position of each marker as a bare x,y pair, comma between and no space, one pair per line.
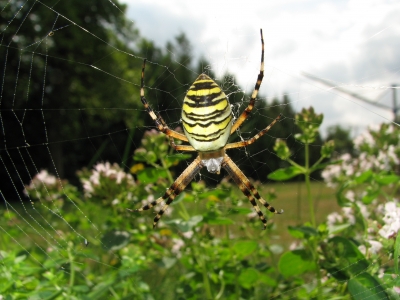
207,123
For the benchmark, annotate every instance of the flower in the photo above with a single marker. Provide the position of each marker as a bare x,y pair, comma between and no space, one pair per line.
112,172
176,246
334,218
391,220
375,246
349,215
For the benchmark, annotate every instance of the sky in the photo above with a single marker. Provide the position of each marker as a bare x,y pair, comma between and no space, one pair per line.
353,43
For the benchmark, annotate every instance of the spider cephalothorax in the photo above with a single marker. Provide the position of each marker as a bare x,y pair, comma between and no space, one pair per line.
207,123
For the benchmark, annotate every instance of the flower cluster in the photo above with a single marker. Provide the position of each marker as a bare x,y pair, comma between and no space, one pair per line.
44,186
106,179
378,150
391,220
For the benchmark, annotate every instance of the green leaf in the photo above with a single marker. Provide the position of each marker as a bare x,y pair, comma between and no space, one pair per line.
173,159
363,177
338,228
301,232
295,263
248,278
267,280
286,173
151,175
324,165
365,286
46,295
219,221
81,288
186,226
370,196
387,179
240,211
244,248
168,262
122,273
341,199
396,254
345,257
213,194
115,240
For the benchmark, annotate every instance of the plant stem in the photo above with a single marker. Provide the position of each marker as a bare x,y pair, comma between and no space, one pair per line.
314,243
308,185
200,259
72,269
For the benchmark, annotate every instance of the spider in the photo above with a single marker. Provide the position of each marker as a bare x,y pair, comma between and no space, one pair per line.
207,123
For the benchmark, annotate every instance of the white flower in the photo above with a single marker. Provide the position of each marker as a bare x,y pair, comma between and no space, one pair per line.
334,218
375,246
177,245
188,234
362,249
364,210
350,195
295,245
391,154
391,219
46,178
349,214
396,289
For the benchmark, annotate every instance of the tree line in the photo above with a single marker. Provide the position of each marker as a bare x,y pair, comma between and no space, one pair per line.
61,114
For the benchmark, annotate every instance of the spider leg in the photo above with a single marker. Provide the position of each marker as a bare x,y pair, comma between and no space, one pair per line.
247,188
252,101
180,147
254,138
160,123
175,189
172,142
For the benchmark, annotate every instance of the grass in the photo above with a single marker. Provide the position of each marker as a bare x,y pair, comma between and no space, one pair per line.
291,197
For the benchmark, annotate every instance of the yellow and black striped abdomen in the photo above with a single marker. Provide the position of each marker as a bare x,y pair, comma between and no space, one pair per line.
206,115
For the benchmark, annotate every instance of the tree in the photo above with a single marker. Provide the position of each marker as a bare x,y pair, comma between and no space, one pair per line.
52,96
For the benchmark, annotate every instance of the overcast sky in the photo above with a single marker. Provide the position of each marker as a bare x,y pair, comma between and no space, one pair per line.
356,44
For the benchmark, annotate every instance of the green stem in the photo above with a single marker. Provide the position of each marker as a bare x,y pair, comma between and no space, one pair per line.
317,163
200,259
293,163
308,185
183,212
314,243
72,269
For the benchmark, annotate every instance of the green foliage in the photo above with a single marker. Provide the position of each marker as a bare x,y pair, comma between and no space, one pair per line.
217,251
341,257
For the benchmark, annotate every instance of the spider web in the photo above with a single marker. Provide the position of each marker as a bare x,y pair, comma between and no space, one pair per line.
33,98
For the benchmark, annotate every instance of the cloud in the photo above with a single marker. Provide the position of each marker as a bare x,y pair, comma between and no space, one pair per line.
354,43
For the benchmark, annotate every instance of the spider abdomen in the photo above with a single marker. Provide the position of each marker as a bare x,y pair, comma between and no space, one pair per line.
206,115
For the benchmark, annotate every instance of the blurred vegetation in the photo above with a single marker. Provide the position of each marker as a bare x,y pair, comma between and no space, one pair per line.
82,116
342,138
209,244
